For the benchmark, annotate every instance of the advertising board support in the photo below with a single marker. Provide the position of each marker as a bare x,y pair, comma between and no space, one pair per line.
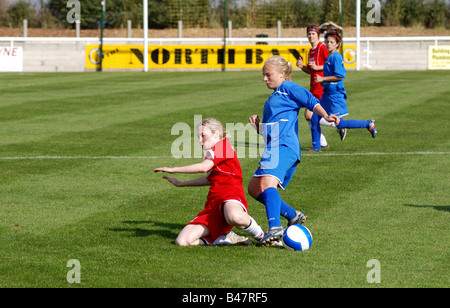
358,33
145,23
102,25
225,22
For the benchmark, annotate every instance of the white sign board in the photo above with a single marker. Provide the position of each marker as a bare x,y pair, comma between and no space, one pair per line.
439,57
11,59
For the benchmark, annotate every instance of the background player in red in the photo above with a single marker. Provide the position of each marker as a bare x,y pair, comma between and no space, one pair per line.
226,205
316,59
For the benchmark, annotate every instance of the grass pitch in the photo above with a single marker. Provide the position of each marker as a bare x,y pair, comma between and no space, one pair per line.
77,153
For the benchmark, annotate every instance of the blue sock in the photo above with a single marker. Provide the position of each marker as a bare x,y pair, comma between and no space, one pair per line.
286,211
315,131
272,201
353,124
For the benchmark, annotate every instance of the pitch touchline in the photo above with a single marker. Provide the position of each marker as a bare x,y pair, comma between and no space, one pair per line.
159,157
377,153
82,157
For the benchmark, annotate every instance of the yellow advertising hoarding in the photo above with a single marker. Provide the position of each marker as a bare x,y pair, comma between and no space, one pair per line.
439,57
199,57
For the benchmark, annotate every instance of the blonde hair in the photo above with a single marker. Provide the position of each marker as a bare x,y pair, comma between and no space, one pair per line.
215,126
281,65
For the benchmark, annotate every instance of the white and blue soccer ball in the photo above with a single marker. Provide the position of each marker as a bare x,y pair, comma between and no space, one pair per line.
297,237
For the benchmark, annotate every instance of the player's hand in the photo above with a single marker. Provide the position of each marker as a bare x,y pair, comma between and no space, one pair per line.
318,78
333,118
174,181
254,121
300,62
313,66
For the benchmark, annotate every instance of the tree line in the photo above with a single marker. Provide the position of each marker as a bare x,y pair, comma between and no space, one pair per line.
165,14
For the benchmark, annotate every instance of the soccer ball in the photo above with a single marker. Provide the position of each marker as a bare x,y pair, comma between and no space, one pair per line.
297,237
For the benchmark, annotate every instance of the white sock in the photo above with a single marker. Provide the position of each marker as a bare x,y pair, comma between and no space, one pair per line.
324,122
323,141
254,230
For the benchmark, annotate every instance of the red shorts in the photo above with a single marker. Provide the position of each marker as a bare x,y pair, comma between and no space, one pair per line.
212,217
316,91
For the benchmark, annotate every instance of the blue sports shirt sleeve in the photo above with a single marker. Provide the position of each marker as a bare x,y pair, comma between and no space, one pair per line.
338,68
302,97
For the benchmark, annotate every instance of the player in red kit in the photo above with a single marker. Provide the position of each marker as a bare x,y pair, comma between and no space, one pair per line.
226,205
317,56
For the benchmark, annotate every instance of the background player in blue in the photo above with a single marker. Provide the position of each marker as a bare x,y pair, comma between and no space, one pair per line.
334,98
279,128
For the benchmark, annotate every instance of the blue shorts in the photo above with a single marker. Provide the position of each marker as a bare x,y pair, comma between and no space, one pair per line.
279,162
335,103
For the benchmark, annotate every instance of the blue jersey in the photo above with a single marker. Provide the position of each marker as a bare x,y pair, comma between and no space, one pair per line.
334,98
280,118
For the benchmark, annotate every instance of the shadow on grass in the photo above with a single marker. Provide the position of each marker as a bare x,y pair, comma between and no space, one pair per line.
163,229
445,208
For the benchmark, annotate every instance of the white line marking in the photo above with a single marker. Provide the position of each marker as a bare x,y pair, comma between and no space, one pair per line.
376,153
159,157
81,157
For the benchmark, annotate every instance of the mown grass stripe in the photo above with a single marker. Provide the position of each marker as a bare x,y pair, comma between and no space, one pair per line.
159,157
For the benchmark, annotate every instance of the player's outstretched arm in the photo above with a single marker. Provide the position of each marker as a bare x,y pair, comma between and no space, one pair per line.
319,78
202,167
201,181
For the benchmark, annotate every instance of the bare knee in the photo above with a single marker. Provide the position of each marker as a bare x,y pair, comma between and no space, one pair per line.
191,234
235,215
181,241
238,219
258,185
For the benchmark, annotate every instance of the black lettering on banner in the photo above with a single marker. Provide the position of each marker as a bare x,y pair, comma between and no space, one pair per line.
165,56
112,52
162,56
259,53
303,53
231,56
248,56
138,54
295,53
155,56
204,56
178,55
188,53
220,56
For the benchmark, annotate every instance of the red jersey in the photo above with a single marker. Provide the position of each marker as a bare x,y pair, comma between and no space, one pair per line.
226,185
318,56
226,175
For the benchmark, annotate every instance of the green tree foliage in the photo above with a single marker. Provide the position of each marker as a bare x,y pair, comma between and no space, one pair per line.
18,12
437,14
243,13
